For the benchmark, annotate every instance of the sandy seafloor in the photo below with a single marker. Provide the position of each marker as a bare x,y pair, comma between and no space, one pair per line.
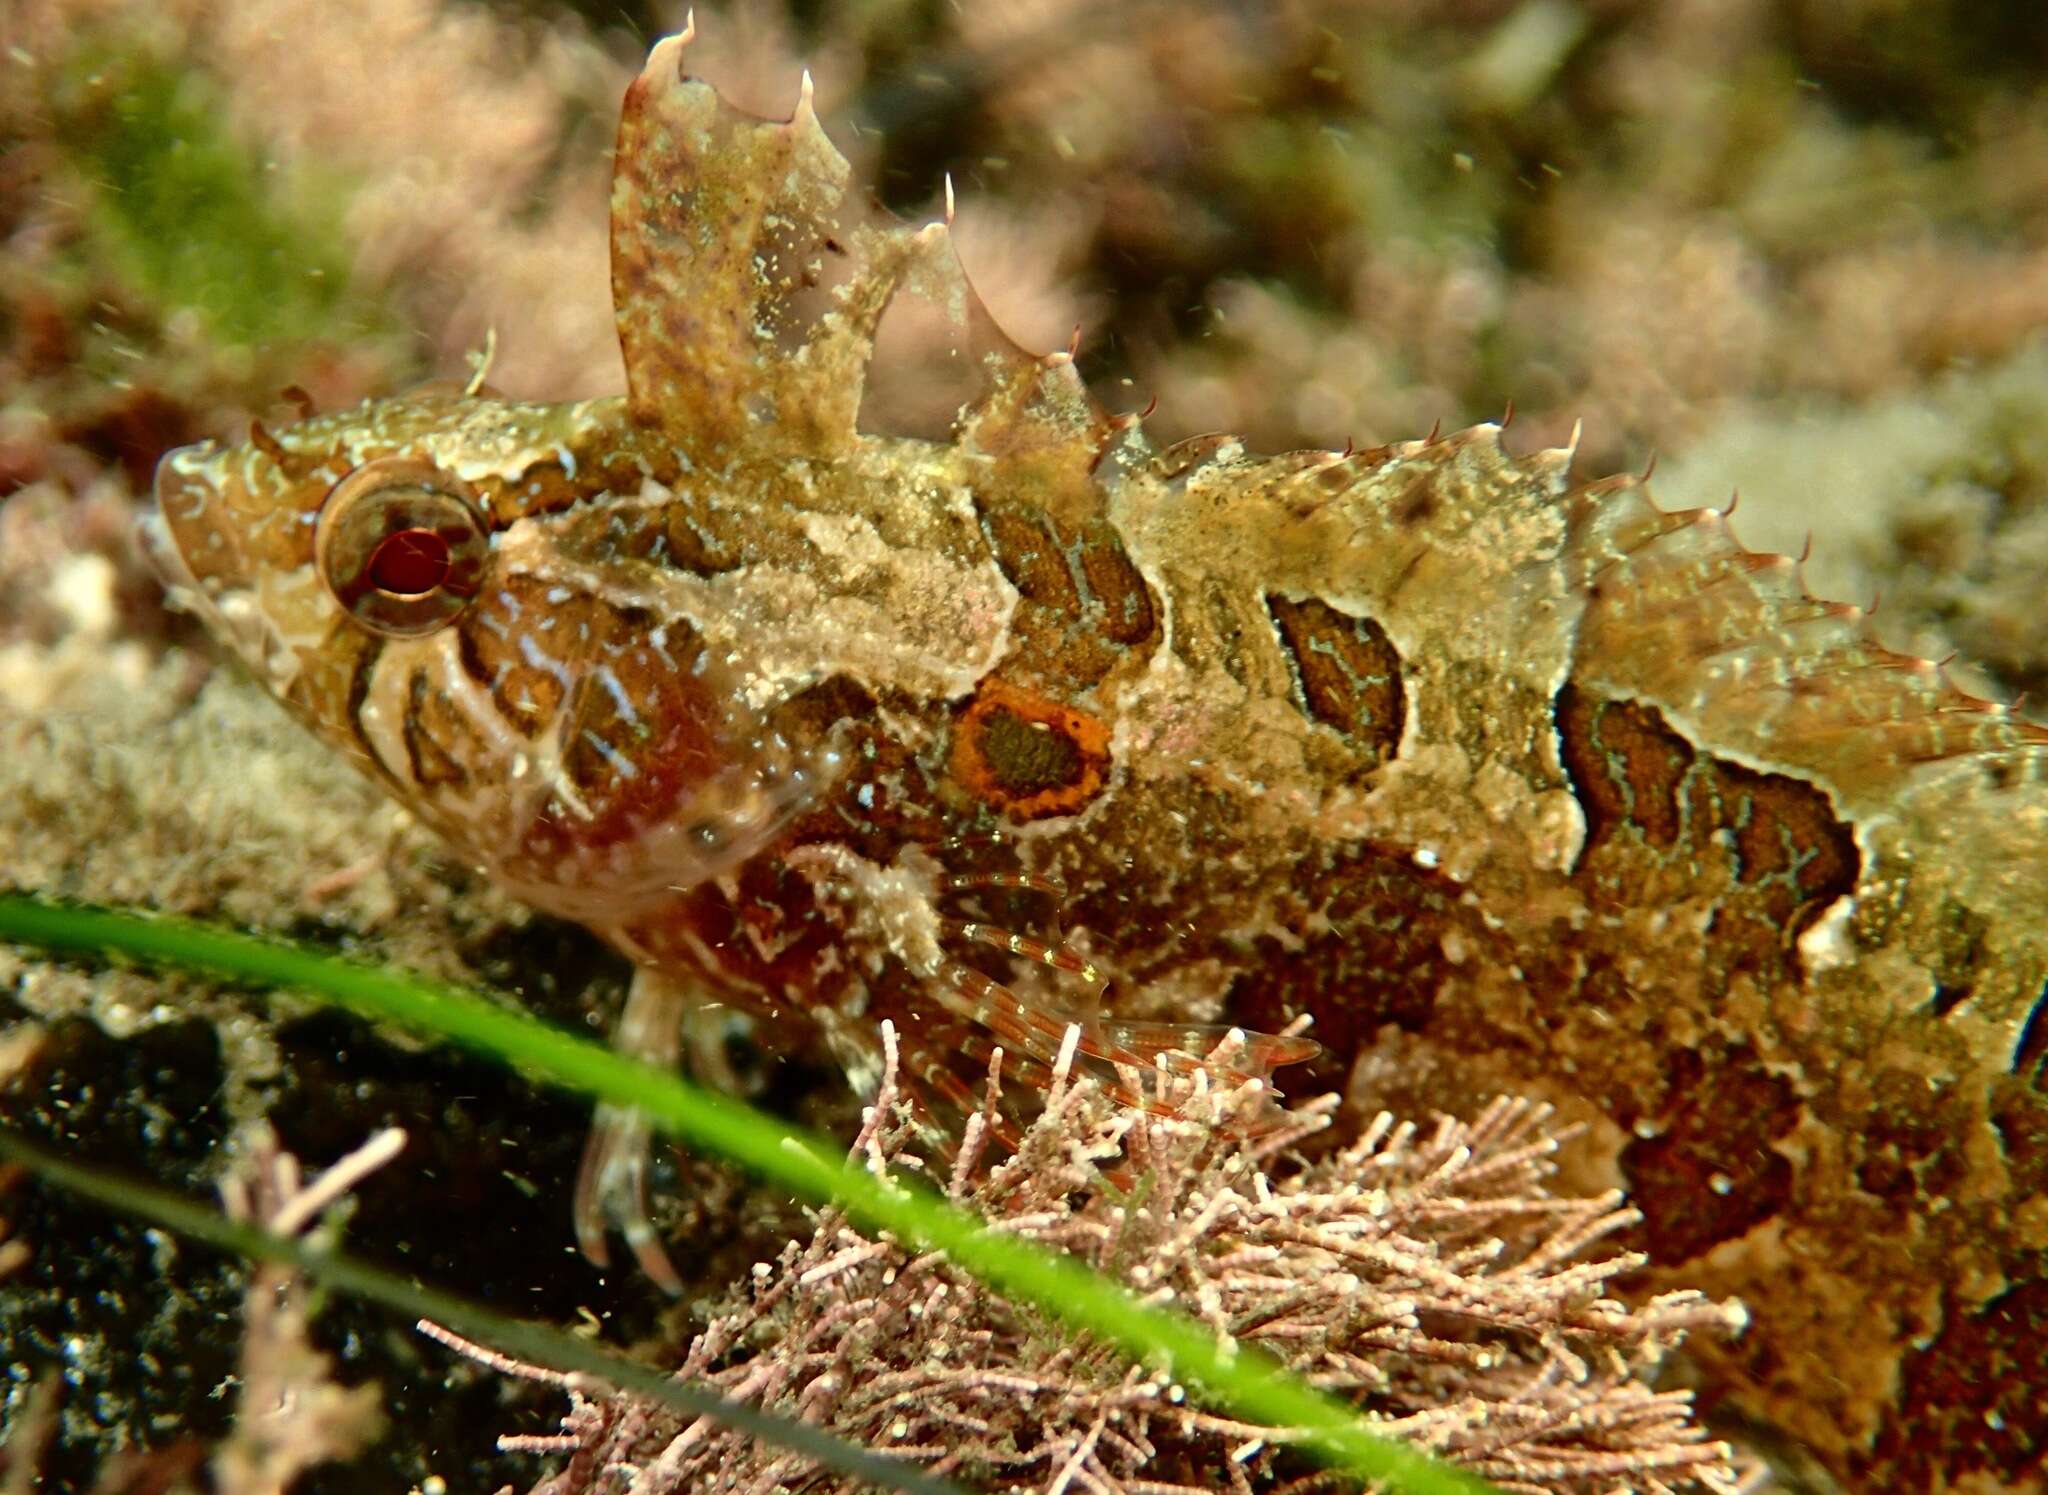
1795,249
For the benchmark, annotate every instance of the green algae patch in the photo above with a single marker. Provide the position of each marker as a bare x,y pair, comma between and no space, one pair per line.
193,218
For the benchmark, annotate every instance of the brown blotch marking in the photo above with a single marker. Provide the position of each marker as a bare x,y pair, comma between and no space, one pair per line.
887,796
1812,858
1417,503
334,686
672,742
702,538
763,931
471,657
1026,757
432,728
686,532
1657,811
1029,757
1347,673
362,668
1121,598
1710,1172
526,695
1971,1402
1627,767
1341,476
1030,558
1785,830
1085,607
1365,947
540,488
2019,1118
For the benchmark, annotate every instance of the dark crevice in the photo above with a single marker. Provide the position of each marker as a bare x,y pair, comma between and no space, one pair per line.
2032,1048
1947,999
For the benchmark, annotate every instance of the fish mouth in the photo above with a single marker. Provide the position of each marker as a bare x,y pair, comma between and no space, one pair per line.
183,592
231,613
158,541
153,538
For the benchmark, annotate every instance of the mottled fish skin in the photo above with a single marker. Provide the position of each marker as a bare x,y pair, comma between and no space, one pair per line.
1510,781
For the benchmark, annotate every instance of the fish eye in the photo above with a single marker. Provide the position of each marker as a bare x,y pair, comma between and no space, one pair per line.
401,546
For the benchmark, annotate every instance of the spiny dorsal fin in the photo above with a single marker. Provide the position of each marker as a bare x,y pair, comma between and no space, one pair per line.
1680,613
719,223
748,281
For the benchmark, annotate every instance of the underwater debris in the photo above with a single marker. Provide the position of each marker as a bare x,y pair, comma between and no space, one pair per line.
290,1414
1427,1273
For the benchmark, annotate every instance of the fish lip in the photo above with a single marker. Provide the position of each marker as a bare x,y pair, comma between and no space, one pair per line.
158,542
153,539
230,607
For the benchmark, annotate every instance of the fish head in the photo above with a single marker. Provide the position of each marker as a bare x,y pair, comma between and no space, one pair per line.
391,575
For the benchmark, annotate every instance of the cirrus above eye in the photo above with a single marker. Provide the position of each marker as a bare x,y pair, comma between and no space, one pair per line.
401,546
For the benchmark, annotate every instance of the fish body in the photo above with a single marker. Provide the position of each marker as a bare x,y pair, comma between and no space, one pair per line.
1504,779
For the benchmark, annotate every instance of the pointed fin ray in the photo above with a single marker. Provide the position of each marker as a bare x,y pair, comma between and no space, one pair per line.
719,221
1663,605
749,278
1680,613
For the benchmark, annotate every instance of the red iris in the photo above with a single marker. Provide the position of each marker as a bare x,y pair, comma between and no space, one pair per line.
409,562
